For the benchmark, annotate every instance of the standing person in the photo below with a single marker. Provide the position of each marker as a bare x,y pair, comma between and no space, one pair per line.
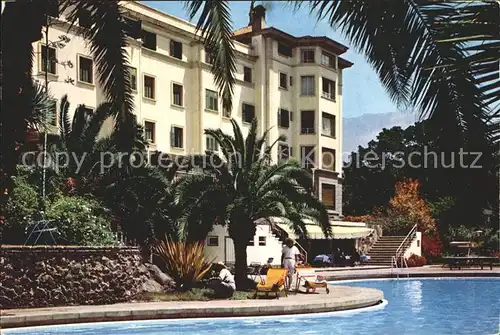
289,257
223,285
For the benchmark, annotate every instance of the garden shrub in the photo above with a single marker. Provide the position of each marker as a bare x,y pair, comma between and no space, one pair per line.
81,221
415,261
186,263
21,207
432,246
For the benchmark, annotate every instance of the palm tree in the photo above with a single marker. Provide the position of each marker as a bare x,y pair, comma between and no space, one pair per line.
22,23
440,57
242,187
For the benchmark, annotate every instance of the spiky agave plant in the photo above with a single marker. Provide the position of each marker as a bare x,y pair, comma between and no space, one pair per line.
184,262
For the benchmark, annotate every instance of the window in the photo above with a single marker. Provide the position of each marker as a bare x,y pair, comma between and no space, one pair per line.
211,100
211,144
283,81
84,18
149,40
291,81
176,49
307,157
177,96
327,60
52,113
328,89
283,118
149,87
284,50
262,241
133,28
307,85
307,122
212,241
328,159
209,58
307,56
49,64
283,152
248,112
177,137
328,125
149,131
247,74
86,70
328,195
132,72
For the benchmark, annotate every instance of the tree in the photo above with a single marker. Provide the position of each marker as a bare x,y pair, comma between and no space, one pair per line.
243,187
408,203
451,182
22,23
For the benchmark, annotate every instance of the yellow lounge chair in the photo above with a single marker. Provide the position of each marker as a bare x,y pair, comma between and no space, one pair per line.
311,280
275,282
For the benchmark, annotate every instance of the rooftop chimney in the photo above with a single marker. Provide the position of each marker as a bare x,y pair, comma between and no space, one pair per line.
258,18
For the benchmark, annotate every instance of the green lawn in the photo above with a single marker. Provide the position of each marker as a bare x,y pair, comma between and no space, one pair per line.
196,294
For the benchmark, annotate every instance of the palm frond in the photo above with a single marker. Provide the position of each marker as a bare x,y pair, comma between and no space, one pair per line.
107,41
64,119
216,28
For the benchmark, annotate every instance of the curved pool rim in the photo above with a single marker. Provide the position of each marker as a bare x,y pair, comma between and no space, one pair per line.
375,306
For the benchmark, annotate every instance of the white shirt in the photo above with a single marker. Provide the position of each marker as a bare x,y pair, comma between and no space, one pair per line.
290,252
227,277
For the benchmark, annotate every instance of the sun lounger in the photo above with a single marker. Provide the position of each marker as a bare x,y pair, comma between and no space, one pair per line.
274,282
311,280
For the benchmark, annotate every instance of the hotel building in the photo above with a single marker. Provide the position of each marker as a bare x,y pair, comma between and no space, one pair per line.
293,85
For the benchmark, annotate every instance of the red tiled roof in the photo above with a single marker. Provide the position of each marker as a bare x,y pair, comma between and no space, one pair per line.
244,30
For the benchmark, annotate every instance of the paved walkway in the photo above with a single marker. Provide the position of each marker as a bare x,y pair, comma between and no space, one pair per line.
340,298
425,271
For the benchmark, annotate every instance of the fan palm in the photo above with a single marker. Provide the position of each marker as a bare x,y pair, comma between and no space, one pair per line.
242,187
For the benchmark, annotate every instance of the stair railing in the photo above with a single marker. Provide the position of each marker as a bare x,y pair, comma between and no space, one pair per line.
409,237
302,250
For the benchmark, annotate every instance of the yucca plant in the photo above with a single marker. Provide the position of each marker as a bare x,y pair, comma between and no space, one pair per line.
184,262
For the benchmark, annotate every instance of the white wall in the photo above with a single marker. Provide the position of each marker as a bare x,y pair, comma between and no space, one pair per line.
415,246
255,253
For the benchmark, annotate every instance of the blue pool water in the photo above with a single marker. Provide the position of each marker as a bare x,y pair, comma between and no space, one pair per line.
415,306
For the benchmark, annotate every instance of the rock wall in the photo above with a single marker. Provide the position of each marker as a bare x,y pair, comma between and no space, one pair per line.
42,276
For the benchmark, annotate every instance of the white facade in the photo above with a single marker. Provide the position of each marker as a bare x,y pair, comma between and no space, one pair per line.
219,246
303,84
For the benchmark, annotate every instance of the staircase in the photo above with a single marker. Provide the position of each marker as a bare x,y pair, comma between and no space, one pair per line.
385,248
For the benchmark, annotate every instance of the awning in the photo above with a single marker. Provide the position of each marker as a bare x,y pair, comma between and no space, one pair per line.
315,232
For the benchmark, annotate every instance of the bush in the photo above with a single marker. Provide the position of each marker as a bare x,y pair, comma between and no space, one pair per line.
431,246
81,221
185,263
20,208
415,261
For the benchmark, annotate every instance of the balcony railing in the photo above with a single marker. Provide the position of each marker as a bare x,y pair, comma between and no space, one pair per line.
307,131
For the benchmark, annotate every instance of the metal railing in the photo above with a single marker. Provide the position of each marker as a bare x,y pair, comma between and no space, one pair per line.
403,264
301,248
409,237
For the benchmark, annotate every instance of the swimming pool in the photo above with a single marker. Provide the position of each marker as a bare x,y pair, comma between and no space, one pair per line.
415,306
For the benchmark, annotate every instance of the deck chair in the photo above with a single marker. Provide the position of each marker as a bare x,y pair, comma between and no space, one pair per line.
311,280
275,282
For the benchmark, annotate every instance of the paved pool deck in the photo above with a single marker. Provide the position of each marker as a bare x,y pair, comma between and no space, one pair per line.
340,298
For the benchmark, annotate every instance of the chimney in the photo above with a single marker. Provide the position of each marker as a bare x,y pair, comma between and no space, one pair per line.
258,18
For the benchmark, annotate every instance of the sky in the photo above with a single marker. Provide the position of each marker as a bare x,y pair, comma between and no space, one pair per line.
363,93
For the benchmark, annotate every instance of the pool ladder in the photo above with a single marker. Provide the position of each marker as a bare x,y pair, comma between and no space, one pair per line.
403,264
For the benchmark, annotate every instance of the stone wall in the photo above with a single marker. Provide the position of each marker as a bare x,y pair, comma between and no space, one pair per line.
42,276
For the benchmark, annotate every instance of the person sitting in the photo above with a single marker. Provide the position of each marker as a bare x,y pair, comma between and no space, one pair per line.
223,285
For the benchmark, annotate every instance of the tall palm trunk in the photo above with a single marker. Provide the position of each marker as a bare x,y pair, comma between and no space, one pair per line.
240,256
